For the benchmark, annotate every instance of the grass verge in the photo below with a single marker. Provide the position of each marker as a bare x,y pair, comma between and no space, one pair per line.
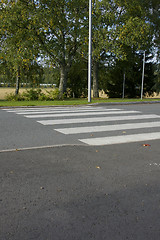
71,102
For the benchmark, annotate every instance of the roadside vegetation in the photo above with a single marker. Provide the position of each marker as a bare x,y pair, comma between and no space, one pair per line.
46,42
51,96
77,101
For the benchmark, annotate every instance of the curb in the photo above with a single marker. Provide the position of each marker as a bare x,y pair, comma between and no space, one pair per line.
124,103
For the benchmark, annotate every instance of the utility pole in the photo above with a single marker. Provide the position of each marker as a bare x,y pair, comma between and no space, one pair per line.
90,52
143,76
124,78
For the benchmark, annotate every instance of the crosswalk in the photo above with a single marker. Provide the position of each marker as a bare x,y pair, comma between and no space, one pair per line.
109,124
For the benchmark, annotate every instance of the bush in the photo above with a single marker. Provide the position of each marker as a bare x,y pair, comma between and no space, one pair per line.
53,94
13,97
34,94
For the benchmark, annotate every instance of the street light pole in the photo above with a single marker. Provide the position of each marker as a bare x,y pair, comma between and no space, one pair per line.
90,51
124,78
143,76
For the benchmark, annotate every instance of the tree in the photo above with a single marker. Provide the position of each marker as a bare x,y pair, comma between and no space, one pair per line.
103,19
153,16
77,79
51,75
33,75
116,27
156,86
18,45
57,31
133,75
57,27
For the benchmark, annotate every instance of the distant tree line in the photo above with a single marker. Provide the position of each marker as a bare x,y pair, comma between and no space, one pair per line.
46,41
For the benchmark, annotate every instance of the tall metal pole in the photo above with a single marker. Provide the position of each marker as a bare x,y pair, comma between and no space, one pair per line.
143,76
90,51
124,78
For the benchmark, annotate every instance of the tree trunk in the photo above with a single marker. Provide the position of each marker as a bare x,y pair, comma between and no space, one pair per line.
95,80
63,80
17,81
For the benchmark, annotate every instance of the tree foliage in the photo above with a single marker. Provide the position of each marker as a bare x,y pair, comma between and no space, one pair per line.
18,44
57,32
132,69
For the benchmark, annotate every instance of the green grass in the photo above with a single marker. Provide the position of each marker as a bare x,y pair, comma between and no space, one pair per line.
69,102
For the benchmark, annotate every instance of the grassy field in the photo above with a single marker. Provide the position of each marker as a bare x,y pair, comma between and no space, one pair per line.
4,91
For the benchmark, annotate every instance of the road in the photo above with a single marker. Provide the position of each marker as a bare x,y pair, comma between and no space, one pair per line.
66,174
91,125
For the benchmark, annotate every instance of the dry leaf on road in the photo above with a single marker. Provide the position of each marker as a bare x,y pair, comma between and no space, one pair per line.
146,145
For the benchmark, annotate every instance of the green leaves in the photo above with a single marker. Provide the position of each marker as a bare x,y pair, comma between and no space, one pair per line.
17,41
58,31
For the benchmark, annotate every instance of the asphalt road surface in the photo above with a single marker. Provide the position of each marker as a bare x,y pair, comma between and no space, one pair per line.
80,173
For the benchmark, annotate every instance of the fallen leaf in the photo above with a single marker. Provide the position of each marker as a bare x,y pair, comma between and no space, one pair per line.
97,151
98,167
91,135
146,145
124,131
59,190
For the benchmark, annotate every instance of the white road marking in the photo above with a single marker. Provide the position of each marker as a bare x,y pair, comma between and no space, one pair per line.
32,109
121,139
79,114
97,119
67,111
108,128
48,109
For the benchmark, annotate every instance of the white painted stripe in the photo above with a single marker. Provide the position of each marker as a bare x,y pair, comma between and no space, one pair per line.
108,128
97,119
79,114
121,139
33,109
68,110
49,109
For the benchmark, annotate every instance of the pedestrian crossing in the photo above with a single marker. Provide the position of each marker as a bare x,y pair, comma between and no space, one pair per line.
108,124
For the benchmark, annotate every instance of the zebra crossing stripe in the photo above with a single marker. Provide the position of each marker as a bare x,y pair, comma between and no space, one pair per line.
79,114
121,139
32,109
66,111
50,109
108,128
97,119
